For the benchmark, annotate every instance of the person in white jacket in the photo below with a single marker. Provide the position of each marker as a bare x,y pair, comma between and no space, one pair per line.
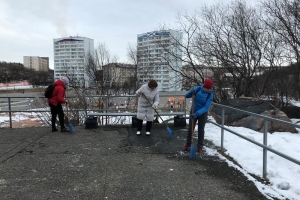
145,110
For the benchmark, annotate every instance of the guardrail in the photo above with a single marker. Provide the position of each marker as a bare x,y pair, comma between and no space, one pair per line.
264,145
109,104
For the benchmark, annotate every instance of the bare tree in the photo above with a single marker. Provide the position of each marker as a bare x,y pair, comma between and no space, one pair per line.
233,41
283,18
188,55
94,68
178,54
97,77
134,56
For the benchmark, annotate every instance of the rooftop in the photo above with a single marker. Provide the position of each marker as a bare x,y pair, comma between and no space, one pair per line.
112,162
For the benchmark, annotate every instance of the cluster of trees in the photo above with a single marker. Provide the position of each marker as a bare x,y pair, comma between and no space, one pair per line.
17,72
253,51
251,45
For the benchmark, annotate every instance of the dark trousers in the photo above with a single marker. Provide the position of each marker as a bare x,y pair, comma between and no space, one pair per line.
57,110
140,125
201,124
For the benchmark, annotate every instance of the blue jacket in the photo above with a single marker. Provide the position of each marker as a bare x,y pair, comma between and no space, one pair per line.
201,105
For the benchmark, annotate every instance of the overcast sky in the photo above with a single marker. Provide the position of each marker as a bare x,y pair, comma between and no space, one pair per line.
28,27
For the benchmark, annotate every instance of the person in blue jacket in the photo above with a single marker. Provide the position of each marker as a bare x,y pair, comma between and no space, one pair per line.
202,101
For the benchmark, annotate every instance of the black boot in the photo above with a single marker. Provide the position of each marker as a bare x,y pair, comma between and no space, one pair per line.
54,129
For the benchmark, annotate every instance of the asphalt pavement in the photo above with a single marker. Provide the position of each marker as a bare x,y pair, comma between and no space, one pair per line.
112,162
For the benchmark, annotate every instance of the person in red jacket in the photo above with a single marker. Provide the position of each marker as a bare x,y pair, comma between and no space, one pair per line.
58,98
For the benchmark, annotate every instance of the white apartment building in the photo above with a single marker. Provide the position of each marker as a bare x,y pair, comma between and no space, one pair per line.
155,63
36,63
69,58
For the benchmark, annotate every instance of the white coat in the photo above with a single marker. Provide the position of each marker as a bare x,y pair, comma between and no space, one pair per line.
145,110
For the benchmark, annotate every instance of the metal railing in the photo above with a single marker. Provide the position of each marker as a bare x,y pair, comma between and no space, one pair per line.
109,104
264,144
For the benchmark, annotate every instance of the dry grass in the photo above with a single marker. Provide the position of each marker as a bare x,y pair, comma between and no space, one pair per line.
25,123
28,122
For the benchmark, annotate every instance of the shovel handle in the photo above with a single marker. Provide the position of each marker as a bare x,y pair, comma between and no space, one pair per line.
154,109
192,112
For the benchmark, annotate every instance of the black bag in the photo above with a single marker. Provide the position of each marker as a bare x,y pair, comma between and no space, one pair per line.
134,122
49,91
91,122
179,121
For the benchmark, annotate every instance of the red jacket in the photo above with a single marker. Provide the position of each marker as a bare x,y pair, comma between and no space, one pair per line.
58,94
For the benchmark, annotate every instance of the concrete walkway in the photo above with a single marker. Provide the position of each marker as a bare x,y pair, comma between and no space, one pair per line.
112,163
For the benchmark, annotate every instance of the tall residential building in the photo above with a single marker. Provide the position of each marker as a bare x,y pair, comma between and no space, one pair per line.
154,61
36,63
69,58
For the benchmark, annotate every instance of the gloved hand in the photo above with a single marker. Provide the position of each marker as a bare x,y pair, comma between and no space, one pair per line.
194,115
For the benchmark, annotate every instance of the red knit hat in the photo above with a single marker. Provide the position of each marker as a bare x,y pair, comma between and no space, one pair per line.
208,83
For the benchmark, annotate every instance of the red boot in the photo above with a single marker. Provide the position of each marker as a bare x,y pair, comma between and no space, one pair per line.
200,150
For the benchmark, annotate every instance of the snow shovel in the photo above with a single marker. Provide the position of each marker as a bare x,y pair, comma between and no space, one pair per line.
67,118
192,147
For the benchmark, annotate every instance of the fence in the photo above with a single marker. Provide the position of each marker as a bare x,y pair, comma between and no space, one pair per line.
89,103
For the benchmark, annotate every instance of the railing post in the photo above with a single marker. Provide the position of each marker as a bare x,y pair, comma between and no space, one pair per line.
222,130
265,151
9,110
106,102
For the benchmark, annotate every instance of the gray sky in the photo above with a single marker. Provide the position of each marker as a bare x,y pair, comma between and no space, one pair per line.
28,27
